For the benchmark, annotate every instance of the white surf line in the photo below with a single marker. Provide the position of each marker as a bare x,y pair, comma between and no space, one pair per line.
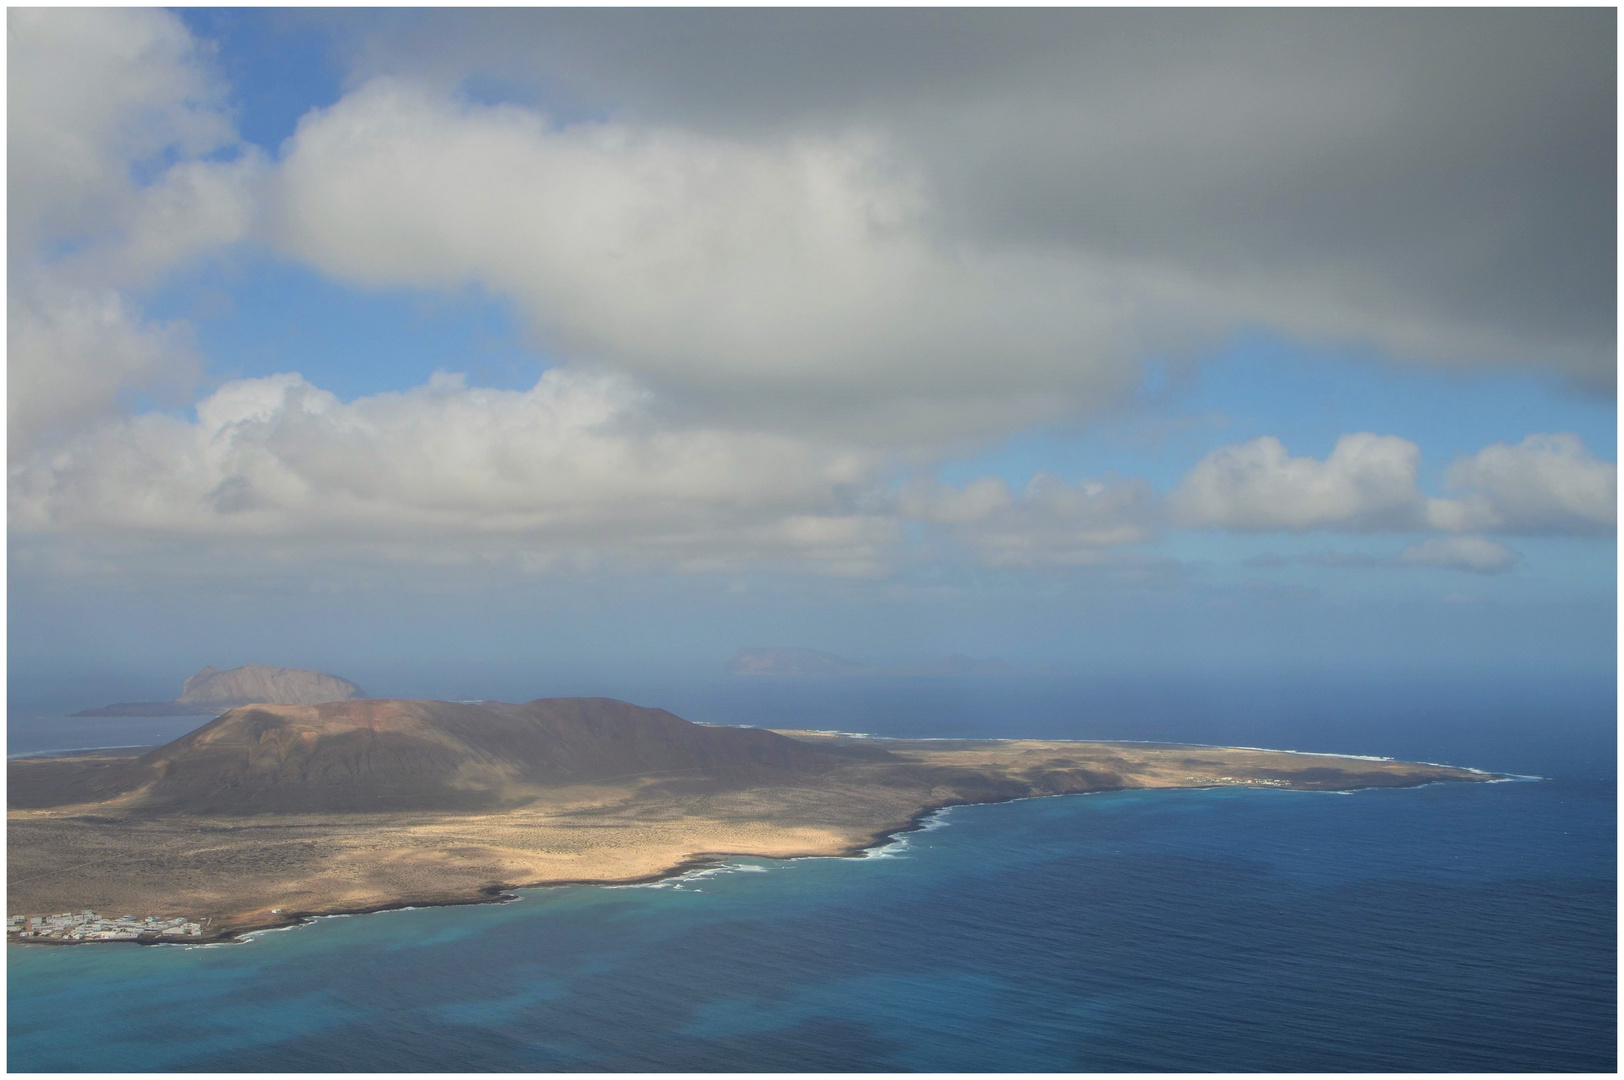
1499,777
885,849
79,750
252,934
698,873
1307,753
299,924
937,819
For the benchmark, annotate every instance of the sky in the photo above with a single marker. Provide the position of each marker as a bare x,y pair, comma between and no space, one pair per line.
446,349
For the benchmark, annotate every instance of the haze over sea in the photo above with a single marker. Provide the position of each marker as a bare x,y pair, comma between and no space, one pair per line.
1440,928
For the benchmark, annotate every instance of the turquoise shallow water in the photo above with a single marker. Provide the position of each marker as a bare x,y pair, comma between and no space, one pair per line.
1452,927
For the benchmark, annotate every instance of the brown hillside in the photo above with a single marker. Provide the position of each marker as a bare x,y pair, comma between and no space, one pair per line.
376,755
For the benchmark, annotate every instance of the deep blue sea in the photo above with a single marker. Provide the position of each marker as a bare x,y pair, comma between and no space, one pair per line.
1445,928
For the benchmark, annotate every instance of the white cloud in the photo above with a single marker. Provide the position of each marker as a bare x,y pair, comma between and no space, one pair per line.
572,471
191,209
816,278
939,503
92,91
1368,482
1472,553
789,316
581,471
1388,177
1050,523
1544,484
98,96
70,353
793,282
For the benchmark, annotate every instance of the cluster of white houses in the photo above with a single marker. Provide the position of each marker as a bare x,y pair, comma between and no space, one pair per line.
88,926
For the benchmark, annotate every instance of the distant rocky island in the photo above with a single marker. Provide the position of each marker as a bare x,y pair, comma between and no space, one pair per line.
211,692
790,662
270,814
813,662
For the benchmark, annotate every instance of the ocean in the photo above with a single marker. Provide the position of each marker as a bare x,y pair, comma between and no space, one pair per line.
1443,928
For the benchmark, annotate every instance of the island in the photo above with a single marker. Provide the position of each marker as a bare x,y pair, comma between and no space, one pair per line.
211,692
272,814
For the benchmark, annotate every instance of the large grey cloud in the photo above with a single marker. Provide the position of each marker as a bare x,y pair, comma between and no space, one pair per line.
1439,184
780,274
781,283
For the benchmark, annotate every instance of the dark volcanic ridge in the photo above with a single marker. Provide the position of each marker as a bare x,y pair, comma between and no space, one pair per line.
416,755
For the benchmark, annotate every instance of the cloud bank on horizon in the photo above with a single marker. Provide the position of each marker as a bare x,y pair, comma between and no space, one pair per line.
785,265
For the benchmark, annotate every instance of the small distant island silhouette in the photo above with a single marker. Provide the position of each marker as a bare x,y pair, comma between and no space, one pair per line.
814,662
212,691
